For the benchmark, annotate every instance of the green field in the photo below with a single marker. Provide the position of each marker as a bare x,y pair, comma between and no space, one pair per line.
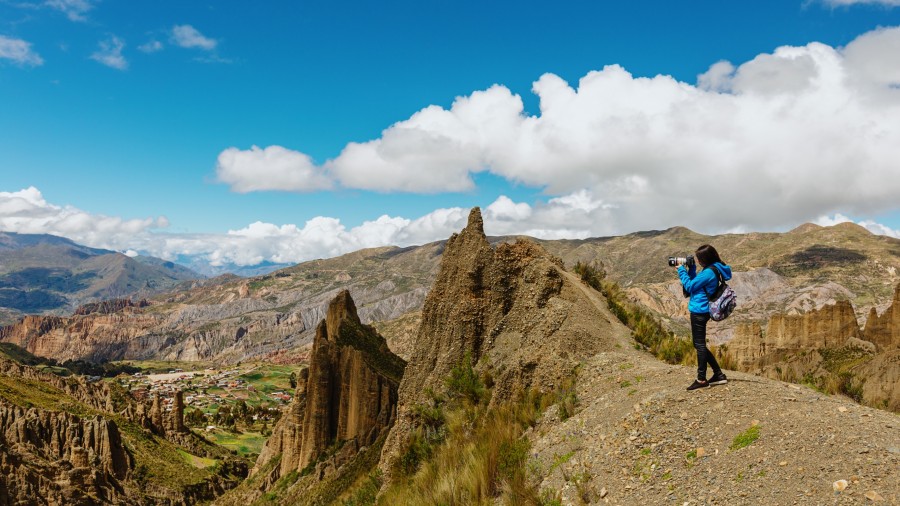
244,444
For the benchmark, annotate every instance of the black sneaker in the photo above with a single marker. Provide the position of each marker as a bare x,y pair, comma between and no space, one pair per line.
718,379
698,384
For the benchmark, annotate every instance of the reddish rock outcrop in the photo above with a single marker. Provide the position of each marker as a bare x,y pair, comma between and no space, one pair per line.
347,397
93,335
825,346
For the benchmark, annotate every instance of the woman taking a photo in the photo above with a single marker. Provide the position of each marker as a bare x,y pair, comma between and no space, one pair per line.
700,287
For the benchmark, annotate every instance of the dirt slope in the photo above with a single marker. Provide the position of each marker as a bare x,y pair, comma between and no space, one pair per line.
638,437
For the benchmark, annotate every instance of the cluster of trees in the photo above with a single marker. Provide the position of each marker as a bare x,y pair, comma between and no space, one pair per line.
236,416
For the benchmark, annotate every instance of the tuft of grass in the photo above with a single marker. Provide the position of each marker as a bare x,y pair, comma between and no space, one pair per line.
559,460
590,274
745,439
568,401
366,494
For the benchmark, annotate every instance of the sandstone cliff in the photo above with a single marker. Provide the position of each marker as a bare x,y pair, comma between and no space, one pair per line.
884,329
345,400
829,327
827,347
94,336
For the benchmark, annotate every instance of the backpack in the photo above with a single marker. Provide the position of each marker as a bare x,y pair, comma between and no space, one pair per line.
723,301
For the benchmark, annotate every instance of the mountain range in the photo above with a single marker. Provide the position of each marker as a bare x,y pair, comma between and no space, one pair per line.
494,374
42,273
231,318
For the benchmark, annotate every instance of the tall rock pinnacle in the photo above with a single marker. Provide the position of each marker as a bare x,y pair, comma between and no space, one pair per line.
347,397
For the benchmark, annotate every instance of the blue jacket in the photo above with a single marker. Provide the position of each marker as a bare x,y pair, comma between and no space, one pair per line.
699,286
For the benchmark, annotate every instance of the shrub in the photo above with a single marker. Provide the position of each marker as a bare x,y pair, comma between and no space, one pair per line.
464,383
590,275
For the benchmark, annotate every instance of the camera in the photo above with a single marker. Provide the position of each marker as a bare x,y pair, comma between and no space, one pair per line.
687,261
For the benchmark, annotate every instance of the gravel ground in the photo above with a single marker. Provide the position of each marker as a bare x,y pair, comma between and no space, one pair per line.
638,437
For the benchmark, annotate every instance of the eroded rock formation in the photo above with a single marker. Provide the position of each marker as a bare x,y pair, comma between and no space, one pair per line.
346,399
93,336
884,329
60,457
828,327
828,343
511,309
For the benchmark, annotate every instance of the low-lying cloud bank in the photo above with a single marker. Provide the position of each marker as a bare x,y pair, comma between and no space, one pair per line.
786,137
571,216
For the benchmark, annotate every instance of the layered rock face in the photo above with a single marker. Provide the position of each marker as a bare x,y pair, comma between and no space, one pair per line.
230,322
511,309
828,327
884,329
827,342
60,458
92,336
347,397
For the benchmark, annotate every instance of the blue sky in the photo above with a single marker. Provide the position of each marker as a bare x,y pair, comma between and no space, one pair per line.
137,134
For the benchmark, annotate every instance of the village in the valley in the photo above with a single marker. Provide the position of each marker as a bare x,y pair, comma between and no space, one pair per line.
263,388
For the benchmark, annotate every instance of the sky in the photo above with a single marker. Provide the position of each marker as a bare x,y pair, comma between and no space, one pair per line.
239,132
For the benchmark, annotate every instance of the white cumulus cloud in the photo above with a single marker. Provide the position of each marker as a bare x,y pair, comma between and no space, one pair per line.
187,36
272,168
27,212
784,138
110,53
19,52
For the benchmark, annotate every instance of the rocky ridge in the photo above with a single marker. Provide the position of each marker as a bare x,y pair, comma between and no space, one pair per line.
234,320
47,274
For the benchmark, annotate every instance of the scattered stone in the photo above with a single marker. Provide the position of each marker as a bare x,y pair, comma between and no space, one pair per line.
840,485
700,452
842,409
874,496
603,492
782,463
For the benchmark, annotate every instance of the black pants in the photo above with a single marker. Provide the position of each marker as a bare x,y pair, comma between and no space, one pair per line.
704,356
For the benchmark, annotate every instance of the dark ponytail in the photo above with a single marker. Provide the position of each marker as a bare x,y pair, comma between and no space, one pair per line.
707,255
